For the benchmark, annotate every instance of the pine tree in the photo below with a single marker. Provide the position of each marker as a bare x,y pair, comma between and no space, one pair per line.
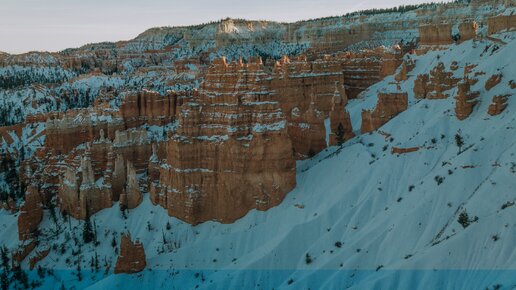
96,262
340,134
87,232
4,256
463,219
459,141
4,280
79,275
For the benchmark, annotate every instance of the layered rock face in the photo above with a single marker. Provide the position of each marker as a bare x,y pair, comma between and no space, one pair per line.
501,23
388,106
132,256
435,84
231,153
435,34
468,30
363,69
465,100
267,116
65,131
304,90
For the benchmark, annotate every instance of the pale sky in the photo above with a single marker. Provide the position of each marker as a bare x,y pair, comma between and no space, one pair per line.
53,25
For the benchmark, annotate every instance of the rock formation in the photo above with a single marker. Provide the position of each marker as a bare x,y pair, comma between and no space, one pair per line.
498,105
31,214
397,150
493,81
388,106
39,256
435,34
340,122
468,30
132,196
501,23
304,90
434,85
465,101
406,67
231,153
364,68
23,251
84,196
132,256
119,177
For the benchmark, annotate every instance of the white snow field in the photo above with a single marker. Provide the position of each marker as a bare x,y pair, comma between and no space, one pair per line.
359,218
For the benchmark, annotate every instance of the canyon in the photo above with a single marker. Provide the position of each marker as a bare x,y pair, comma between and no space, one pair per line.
222,124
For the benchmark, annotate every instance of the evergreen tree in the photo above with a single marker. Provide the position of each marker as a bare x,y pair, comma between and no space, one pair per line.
4,256
87,232
340,134
459,141
79,274
4,280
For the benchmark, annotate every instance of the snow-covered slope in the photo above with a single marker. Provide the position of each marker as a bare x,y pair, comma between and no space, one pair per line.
359,218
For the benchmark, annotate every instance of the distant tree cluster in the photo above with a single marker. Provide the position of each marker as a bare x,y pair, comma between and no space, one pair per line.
8,170
16,76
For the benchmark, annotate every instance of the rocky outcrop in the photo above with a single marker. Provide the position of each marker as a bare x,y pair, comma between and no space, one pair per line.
83,196
132,197
501,23
31,214
22,252
364,68
387,107
340,122
307,131
132,256
498,105
435,34
435,84
74,128
406,67
149,107
119,177
65,131
465,101
304,91
39,256
232,151
468,30
493,81
397,150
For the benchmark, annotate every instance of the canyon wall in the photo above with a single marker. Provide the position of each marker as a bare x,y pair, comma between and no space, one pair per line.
435,34
501,23
231,153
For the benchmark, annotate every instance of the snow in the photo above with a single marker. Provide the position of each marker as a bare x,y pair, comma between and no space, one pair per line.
391,236
327,130
269,127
